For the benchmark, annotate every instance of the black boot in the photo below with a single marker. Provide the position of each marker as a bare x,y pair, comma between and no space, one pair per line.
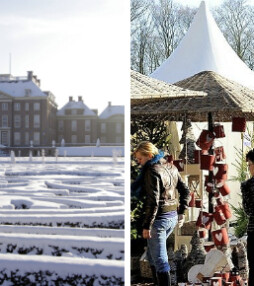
155,281
164,278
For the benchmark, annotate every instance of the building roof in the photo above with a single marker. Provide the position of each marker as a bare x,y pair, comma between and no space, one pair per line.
112,110
204,48
21,86
72,105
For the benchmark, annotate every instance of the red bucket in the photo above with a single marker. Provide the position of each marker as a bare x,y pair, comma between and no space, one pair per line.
192,201
204,220
205,140
216,281
220,236
225,209
219,216
219,131
202,233
207,162
208,245
224,189
220,171
179,165
238,124
198,203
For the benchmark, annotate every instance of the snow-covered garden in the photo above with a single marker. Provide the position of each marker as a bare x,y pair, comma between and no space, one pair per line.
62,221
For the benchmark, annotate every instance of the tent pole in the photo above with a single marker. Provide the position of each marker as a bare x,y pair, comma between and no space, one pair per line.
211,152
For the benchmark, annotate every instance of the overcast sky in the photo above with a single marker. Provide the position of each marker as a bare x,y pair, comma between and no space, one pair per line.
76,47
210,3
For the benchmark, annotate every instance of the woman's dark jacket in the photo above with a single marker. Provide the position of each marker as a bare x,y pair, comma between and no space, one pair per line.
160,184
247,189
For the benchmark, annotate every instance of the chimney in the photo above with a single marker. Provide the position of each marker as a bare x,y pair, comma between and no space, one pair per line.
80,98
70,98
109,103
29,75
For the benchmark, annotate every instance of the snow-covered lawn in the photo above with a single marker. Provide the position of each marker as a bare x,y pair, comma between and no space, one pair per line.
62,221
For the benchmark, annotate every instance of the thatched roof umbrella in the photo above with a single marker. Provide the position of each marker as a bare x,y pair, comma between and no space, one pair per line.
225,99
146,91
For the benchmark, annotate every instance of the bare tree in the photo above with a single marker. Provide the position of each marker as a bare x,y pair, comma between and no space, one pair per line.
235,19
138,8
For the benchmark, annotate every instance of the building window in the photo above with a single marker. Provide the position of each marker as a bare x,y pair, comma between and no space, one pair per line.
27,121
103,127
36,121
37,106
74,139
74,125
26,106
27,141
28,92
74,111
16,138
4,106
103,139
88,125
87,139
118,128
17,106
4,138
5,121
60,125
36,138
17,122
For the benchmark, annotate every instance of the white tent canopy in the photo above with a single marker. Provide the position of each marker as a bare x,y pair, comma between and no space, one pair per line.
204,48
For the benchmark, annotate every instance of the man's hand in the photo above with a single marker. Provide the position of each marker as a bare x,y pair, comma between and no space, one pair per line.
181,220
146,233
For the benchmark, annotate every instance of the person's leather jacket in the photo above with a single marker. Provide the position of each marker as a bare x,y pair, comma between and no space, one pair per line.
161,183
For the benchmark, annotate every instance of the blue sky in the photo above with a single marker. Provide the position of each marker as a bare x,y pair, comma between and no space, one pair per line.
76,47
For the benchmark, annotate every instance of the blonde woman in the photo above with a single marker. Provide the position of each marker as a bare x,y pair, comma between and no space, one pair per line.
160,182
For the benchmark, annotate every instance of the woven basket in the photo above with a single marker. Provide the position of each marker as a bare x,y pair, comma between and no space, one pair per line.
145,269
189,228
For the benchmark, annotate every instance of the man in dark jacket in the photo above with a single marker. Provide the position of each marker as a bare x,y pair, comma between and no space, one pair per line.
247,189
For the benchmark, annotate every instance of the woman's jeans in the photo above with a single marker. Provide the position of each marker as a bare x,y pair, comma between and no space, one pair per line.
157,246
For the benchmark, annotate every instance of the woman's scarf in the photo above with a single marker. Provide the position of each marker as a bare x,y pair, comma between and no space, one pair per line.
136,187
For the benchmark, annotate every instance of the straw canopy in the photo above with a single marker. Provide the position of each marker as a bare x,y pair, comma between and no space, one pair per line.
225,99
145,89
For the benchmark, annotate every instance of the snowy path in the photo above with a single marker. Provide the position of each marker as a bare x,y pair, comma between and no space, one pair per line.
62,221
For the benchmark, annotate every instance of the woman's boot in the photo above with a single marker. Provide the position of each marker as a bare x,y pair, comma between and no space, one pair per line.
164,278
155,281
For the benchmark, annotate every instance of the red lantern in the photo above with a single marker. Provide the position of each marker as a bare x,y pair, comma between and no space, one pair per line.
219,131
238,124
198,203
225,209
205,140
220,236
220,171
224,189
204,220
219,216
207,162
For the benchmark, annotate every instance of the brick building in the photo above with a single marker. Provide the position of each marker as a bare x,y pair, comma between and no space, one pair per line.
29,116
